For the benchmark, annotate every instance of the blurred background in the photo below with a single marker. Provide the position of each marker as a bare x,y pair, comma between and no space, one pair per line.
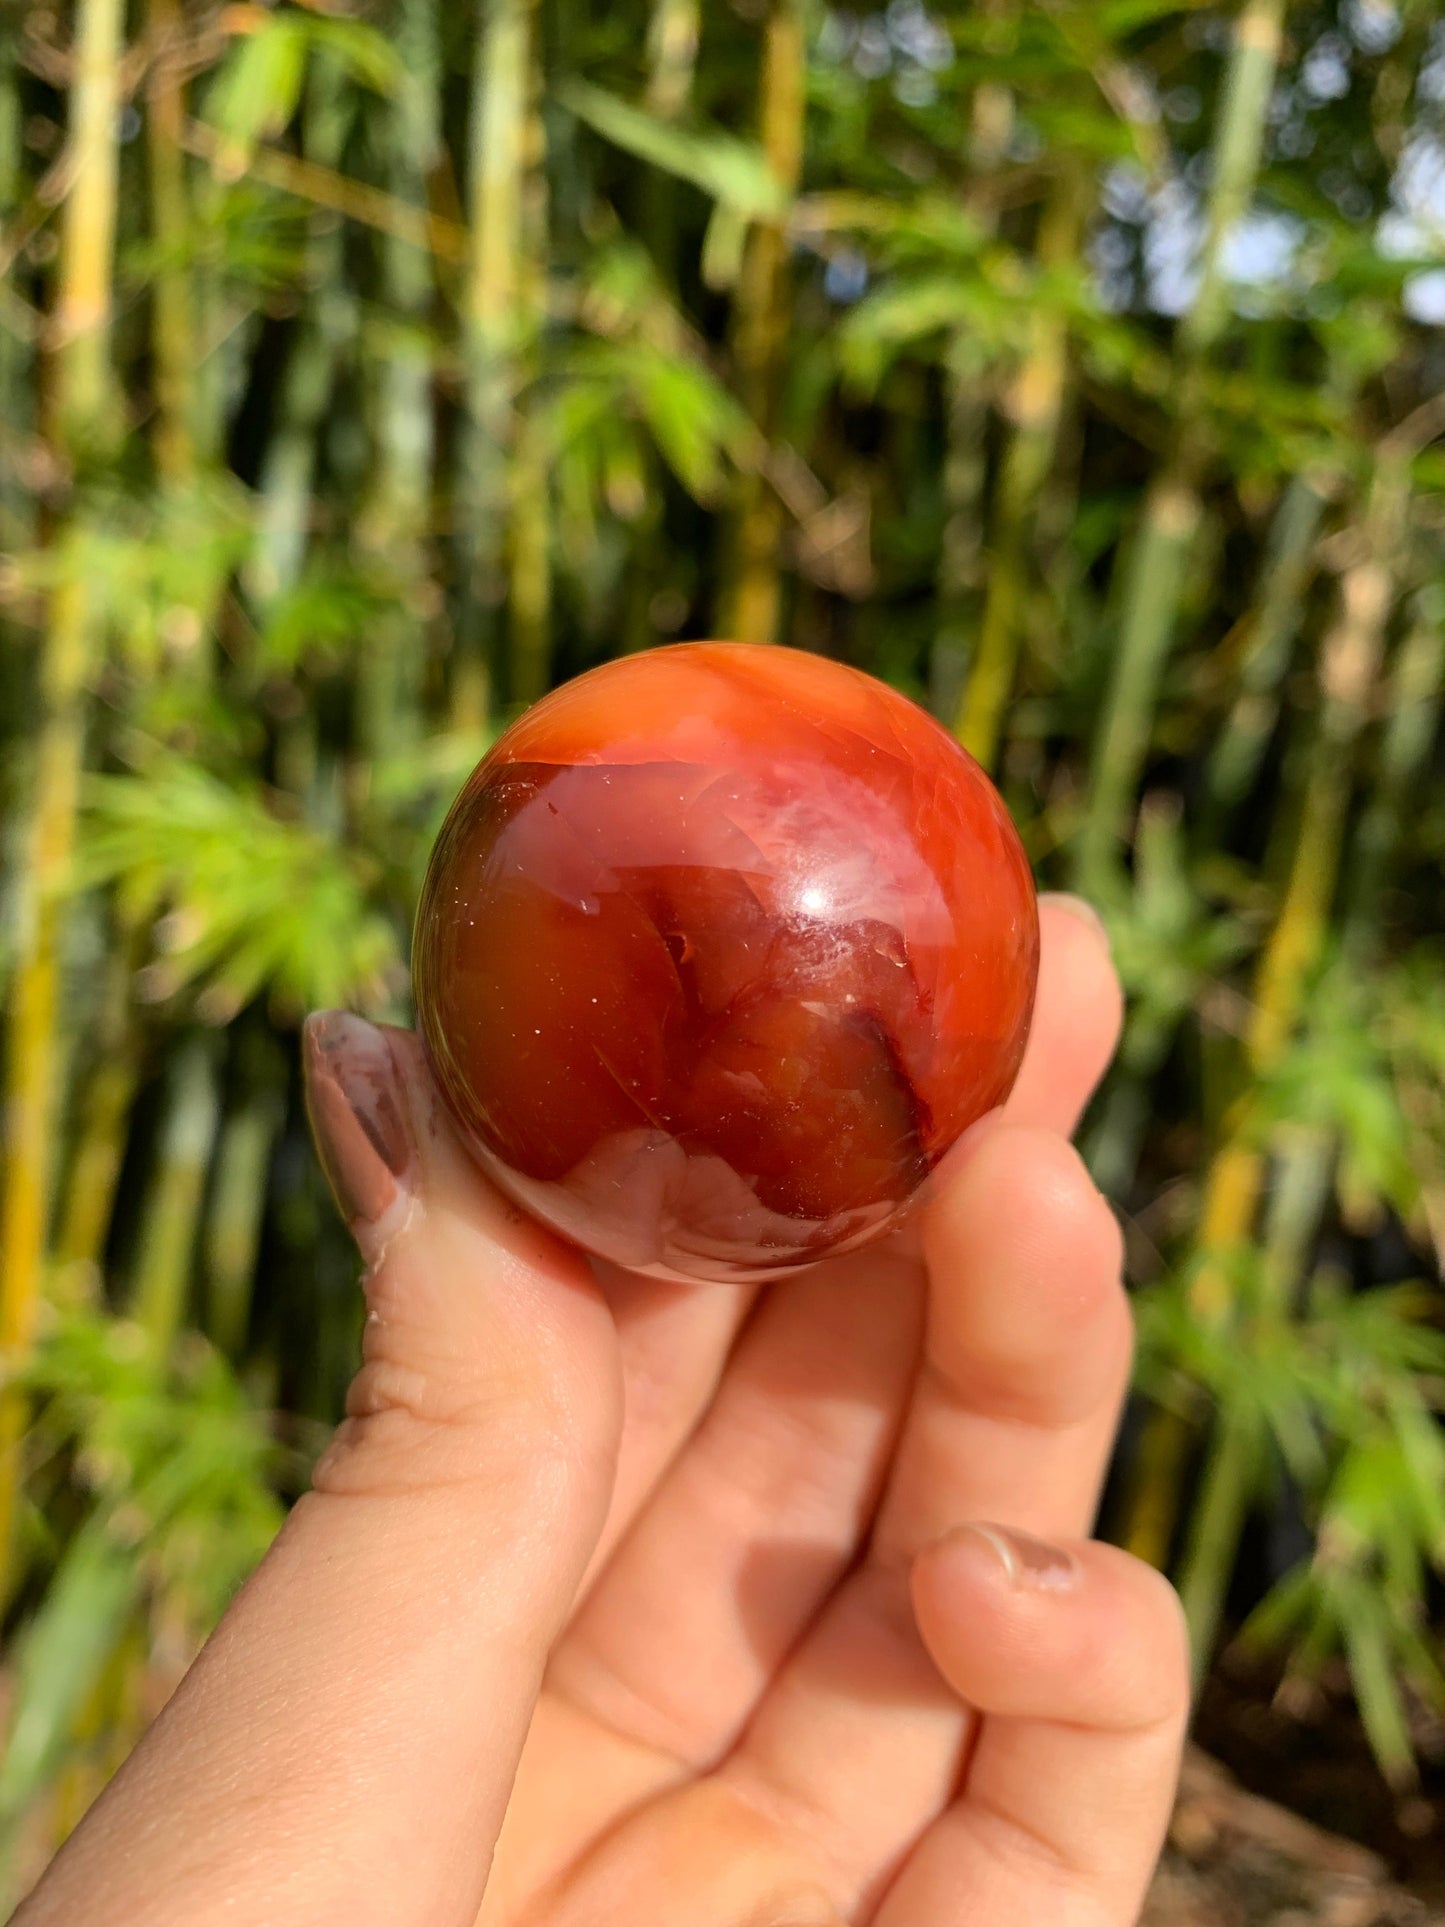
368,366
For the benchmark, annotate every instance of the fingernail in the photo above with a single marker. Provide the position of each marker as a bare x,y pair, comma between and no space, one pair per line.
1077,907
1029,1564
358,1117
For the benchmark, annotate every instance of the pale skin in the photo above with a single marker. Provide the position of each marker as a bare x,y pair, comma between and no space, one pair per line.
626,1604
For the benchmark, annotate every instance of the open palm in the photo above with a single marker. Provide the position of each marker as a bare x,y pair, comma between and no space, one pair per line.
622,1602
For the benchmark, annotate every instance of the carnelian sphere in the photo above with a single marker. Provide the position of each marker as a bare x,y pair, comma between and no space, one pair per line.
720,949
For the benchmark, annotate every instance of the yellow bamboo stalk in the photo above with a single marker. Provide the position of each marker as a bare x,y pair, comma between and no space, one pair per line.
81,391
1349,664
672,36
761,327
79,331
1034,406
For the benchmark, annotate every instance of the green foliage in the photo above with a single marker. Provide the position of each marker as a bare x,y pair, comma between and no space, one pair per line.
277,619
243,901
176,1469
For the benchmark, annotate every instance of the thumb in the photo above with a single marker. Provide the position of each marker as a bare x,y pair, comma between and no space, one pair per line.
345,1745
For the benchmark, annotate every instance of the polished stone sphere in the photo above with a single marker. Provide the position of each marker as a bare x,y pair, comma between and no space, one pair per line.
721,947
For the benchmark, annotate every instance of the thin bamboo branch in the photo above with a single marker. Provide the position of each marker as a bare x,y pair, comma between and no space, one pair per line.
322,186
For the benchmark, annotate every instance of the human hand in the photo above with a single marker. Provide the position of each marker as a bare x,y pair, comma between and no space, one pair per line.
623,1604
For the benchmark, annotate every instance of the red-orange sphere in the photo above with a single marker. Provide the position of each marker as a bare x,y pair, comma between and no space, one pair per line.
721,948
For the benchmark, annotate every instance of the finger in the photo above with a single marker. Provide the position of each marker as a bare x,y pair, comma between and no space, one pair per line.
372,1684
761,1513
674,1341
746,1537
1026,1355
1027,1347
675,1338
1078,1014
1077,1660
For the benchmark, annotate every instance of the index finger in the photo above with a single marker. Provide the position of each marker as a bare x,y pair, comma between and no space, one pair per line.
1078,1014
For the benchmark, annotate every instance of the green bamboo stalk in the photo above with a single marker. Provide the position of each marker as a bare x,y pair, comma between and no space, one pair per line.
1156,567
1215,1523
87,1203
530,515
232,1236
327,334
960,559
760,329
16,344
167,1240
1034,405
961,570
173,333
530,564
1349,663
501,119
1411,723
672,43
1304,1155
1274,625
1154,576
396,518
673,29
82,419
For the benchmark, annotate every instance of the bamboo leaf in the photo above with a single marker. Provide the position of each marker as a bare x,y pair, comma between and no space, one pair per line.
730,171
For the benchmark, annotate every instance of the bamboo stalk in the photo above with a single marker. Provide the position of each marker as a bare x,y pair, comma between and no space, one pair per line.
530,546
1156,567
79,330
84,1218
673,27
1348,666
82,418
327,332
173,325
232,1237
167,1242
1034,406
396,518
961,573
1285,575
760,325
500,117
1412,720
16,342
1304,1155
